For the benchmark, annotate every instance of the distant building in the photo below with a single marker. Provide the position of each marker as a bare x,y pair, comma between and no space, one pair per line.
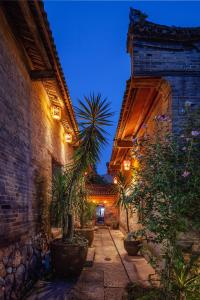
37,124
165,77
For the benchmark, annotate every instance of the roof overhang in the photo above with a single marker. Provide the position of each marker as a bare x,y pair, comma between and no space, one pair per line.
141,95
30,27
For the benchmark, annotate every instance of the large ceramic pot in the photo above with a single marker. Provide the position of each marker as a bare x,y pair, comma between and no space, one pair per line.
132,247
87,233
68,258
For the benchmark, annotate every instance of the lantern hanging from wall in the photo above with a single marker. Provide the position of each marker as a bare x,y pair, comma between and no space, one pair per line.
68,137
115,180
56,112
127,164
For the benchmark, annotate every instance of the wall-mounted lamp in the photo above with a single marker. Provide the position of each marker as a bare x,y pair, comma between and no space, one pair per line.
115,180
127,164
68,137
56,112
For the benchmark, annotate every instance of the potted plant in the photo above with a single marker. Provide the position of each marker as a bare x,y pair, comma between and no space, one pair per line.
69,252
132,244
86,214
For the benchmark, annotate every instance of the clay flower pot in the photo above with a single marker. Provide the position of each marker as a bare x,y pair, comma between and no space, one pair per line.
87,233
132,247
68,258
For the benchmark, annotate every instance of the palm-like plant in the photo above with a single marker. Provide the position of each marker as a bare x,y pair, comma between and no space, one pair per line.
93,115
124,200
185,276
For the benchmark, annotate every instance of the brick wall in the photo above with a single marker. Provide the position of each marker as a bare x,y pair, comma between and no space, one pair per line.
178,63
29,140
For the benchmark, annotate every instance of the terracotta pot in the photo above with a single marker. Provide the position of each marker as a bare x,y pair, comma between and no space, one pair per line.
88,233
132,247
68,259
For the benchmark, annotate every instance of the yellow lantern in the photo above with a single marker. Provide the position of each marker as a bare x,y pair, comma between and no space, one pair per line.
68,137
127,165
115,180
56,112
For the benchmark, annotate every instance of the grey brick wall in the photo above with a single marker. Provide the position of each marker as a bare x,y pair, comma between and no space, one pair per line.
177,62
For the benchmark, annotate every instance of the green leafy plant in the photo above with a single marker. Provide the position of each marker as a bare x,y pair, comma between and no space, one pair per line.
93,115
185,276
125,199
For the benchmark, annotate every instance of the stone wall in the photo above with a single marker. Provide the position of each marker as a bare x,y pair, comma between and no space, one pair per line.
30,141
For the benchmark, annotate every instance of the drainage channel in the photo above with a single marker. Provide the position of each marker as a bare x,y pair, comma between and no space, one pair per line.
120,256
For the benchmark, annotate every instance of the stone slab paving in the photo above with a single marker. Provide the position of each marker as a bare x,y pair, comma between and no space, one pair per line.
112,270
137,267
108,273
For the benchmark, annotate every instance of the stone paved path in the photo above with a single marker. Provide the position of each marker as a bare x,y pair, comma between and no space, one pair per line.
104,281
107,278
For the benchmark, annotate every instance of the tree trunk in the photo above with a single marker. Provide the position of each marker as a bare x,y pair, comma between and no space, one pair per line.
65,228
70,232
127,220
68,228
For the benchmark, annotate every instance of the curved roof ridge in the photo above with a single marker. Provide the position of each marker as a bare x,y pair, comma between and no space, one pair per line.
141,28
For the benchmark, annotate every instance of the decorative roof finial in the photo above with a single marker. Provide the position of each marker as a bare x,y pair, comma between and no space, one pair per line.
136,16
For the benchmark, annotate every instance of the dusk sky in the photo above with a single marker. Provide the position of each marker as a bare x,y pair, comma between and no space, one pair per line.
91,42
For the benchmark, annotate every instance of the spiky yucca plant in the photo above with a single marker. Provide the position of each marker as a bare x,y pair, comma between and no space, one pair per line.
93,116
125,200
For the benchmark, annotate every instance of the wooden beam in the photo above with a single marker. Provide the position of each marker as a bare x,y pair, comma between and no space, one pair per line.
114,167
42,75
124,144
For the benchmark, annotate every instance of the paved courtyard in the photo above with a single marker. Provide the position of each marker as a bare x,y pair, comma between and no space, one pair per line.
105,280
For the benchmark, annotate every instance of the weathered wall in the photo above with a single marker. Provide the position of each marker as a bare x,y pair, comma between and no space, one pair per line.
178,63
29,141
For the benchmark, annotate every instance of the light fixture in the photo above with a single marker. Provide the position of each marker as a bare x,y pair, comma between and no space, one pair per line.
115,180
56,112
127,164
68,137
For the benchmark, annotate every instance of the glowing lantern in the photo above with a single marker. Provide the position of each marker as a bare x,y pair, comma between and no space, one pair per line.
68,137
56,112
115,180
127,165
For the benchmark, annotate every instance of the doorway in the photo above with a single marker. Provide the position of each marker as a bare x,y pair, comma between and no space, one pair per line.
100,214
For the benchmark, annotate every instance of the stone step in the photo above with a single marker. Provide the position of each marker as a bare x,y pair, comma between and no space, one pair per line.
90,257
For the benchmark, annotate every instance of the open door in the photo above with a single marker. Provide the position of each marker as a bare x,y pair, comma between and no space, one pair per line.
100,214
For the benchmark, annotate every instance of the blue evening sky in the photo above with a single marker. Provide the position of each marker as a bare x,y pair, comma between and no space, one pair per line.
91,41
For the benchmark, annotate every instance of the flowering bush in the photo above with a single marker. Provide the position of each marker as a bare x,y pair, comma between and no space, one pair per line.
167,193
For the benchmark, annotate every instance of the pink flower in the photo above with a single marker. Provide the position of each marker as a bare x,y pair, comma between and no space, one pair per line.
161,118
185,174
144,126
195,133
188,103
135,140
